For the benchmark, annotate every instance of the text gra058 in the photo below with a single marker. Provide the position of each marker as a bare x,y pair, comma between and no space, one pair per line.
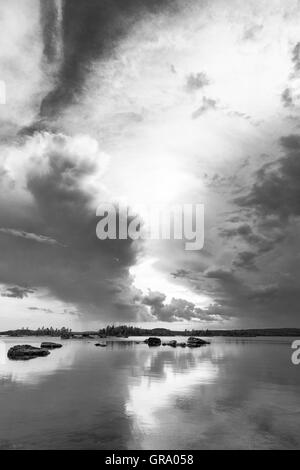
176,459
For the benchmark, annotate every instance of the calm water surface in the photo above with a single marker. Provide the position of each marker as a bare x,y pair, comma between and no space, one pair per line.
235,393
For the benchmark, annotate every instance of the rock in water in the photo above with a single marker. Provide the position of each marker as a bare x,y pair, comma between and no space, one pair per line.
102,345
25,352
152,341
194,342
51,345
172,343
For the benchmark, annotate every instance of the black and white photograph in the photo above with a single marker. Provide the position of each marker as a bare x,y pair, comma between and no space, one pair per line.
149,227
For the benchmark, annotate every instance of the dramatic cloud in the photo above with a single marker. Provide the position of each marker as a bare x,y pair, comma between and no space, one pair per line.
62,204
91,31
261,242
17,292
178,309
277,190
51,13
150,102
154,300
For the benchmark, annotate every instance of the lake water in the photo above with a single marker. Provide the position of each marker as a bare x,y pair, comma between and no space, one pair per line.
234,393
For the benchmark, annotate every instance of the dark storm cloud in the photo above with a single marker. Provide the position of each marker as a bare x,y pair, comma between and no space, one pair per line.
243,230
254,306
266,220
49,15
259,241
17,292
264,293
271,208
84,271
273,304
291,142
91,29
277,191
264,304
246,260
220,273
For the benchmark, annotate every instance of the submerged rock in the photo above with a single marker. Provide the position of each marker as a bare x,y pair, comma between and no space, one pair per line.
25,352
51,345
153,341
194,342
101,345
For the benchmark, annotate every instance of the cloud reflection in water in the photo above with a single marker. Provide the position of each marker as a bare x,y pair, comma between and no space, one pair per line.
167,375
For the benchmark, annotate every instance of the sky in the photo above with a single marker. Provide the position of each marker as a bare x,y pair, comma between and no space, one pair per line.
149,102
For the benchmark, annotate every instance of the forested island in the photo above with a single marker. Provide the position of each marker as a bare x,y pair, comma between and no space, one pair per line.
124,331
53,332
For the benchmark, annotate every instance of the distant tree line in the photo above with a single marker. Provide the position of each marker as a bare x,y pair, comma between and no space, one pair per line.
38,332
125,331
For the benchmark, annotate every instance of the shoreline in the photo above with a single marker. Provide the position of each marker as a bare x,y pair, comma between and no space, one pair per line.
244,333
